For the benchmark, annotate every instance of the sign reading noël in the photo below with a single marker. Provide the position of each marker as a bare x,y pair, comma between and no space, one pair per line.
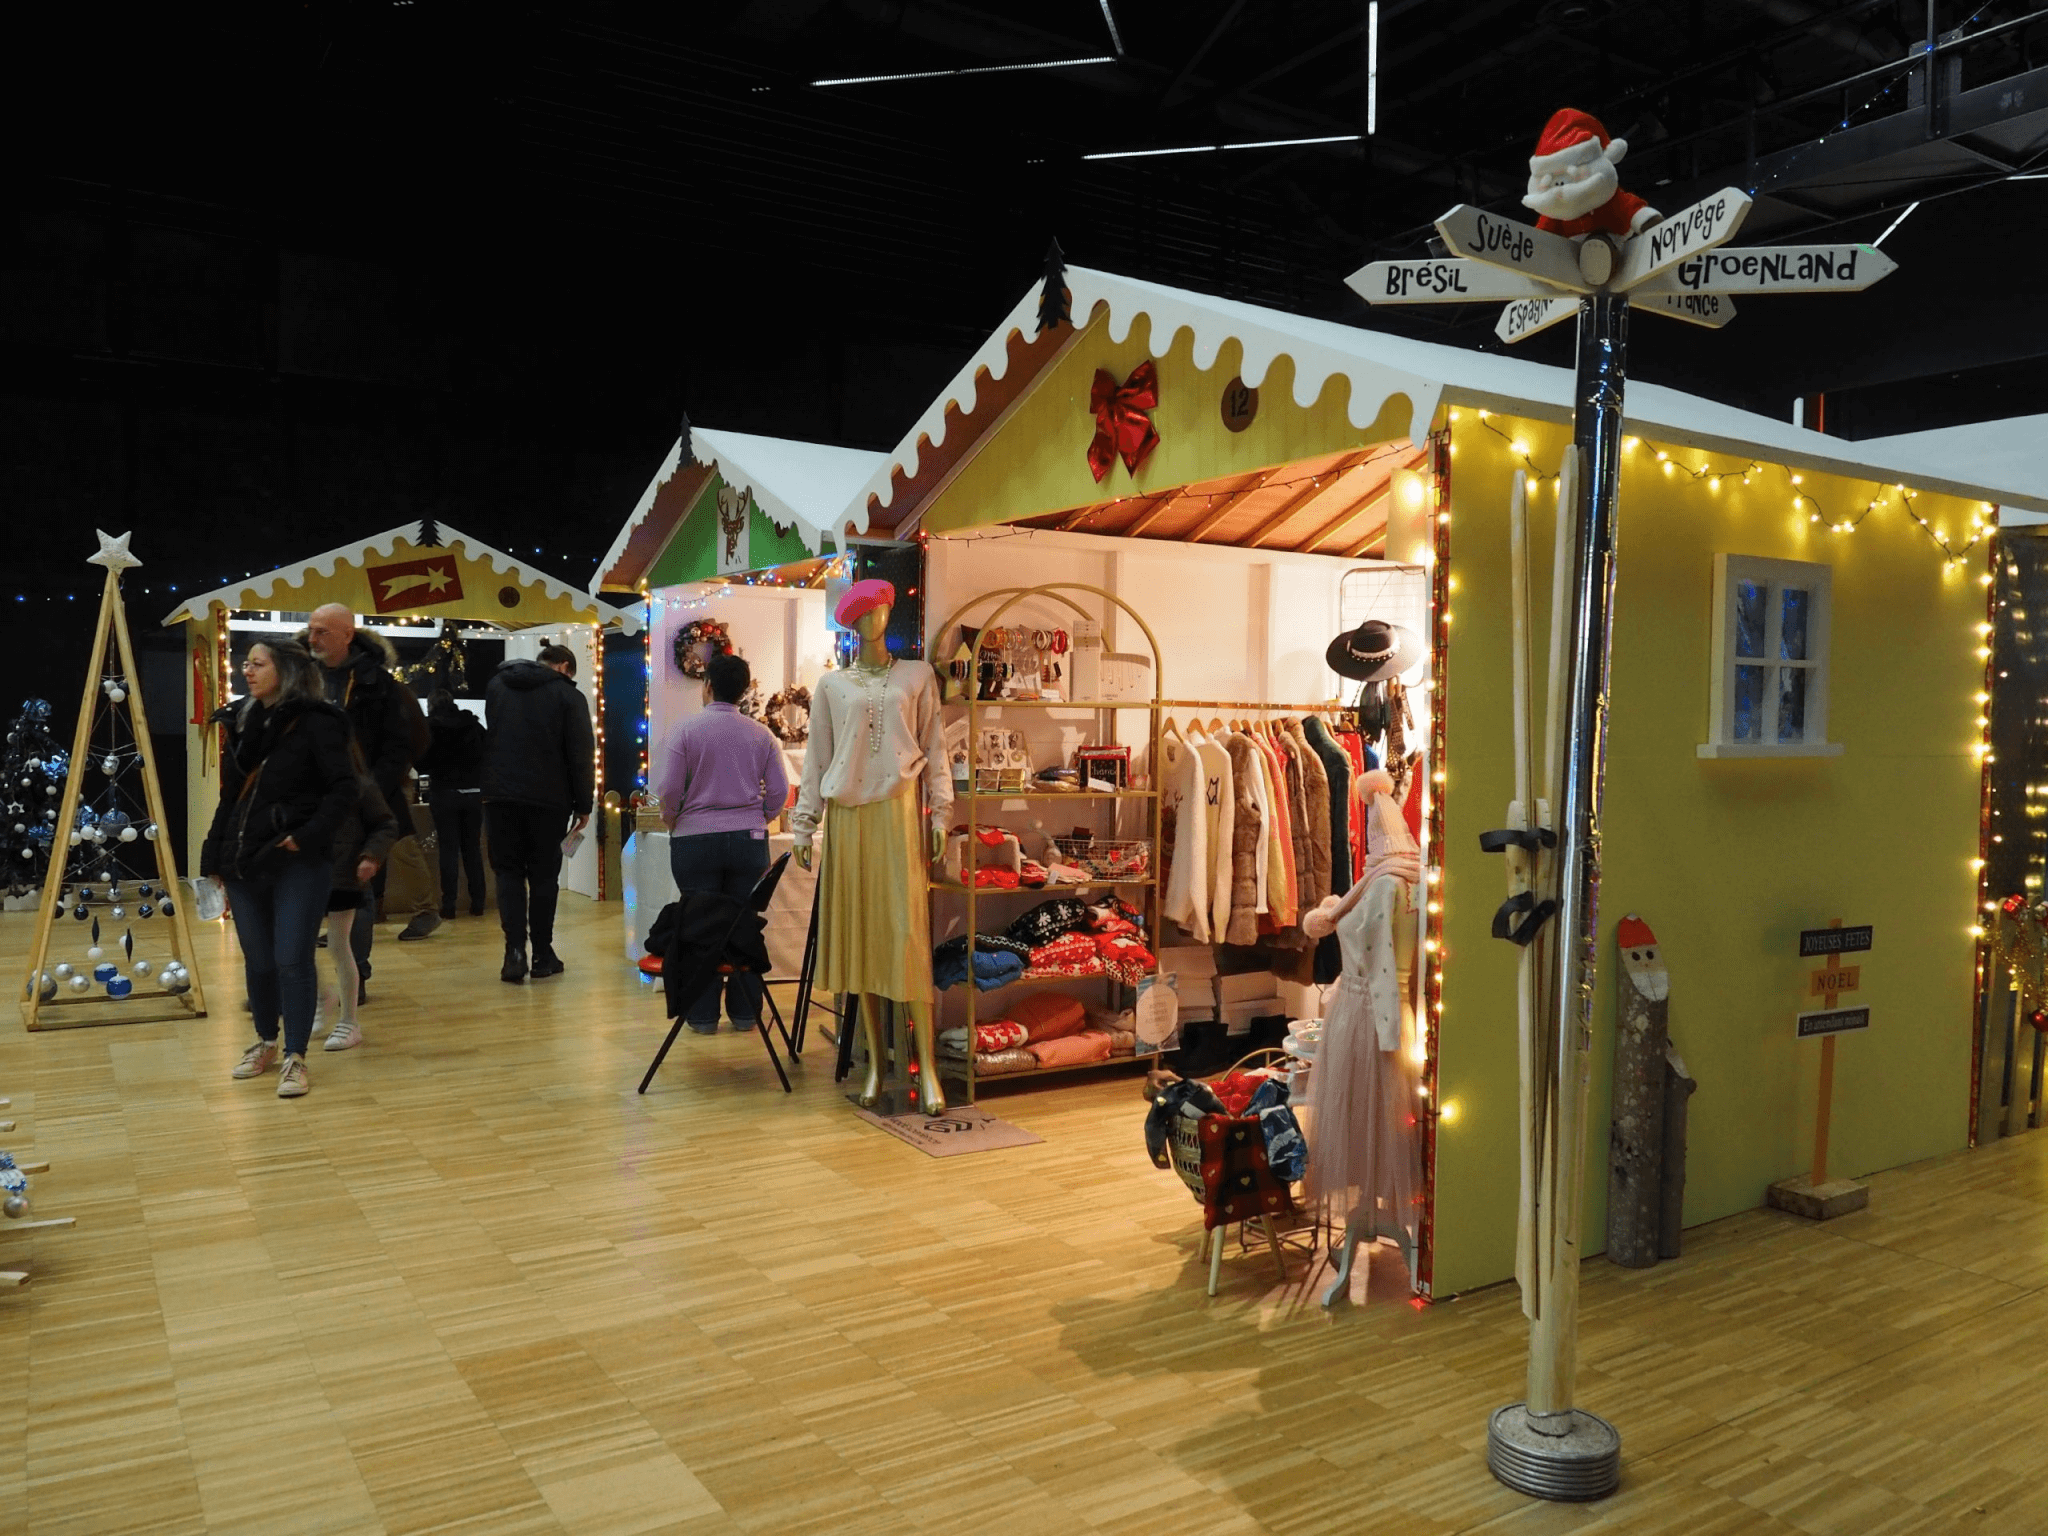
1832,1021
1833,941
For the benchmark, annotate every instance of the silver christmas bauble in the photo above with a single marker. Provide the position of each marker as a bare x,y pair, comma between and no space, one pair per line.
127,834
16,1207
94,952
110,764
178,983
119,913
143,967
49,988
119,695
80,983
63,972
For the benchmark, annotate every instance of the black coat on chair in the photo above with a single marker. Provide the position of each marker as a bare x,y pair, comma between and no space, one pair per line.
700,931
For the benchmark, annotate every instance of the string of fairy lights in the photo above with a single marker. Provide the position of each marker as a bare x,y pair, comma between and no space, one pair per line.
1983,516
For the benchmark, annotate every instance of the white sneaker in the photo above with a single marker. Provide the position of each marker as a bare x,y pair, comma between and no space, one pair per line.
322,1011
291,1077
346,1037
257,1059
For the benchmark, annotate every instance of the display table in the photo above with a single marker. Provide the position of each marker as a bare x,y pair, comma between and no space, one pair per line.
650,887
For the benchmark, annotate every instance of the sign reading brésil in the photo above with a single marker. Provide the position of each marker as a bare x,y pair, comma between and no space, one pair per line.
1449,280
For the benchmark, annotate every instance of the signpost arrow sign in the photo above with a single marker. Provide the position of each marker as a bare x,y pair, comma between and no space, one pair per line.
1525,317
1519,247
1707,223
1442,282
1775,269
1712,310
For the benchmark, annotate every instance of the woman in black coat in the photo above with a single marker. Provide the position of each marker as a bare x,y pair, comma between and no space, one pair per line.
287,782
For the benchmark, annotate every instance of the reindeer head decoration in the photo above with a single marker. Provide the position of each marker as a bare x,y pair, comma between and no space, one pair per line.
732,518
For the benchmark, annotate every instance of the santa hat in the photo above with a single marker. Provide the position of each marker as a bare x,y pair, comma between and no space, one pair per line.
1633,933
1572,137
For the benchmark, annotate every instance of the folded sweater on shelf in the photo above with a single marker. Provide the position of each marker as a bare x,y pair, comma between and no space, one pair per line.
992,969
1072,1050
1001,1035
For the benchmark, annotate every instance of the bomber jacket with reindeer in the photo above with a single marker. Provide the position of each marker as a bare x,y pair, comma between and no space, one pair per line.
284,772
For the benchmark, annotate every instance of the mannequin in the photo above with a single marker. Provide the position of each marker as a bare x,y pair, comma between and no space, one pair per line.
1365,1153
874,930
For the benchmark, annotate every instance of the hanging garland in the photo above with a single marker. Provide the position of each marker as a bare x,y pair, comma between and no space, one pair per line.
698,632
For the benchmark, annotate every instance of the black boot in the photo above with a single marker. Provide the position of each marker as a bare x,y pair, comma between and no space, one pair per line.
515,964
545,962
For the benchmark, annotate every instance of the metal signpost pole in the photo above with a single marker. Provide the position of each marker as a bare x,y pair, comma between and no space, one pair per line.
1546,1446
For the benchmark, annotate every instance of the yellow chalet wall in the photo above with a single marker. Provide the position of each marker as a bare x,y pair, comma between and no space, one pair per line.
1036,460
1727,860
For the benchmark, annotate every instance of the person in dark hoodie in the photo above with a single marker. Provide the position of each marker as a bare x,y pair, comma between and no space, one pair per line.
454,766
287,782
539,774
390,730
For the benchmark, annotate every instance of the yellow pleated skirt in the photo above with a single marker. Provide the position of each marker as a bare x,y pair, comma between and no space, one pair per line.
874,917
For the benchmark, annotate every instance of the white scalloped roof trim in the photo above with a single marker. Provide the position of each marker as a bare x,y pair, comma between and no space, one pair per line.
793,483
1429,374
662,476
1319,350
257,591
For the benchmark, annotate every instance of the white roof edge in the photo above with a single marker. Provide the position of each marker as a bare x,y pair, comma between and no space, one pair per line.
252,592
645,505
1379,365
794,483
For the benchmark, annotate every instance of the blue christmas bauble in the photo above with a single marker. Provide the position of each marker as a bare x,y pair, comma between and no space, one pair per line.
106,970
120,986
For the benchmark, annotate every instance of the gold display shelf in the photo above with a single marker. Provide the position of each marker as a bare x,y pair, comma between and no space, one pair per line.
1050,889
1058,794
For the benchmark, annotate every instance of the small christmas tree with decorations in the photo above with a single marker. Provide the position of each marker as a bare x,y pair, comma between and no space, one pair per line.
32,769
112,945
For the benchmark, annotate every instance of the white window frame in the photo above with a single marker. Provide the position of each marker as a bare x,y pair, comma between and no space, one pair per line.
1730,571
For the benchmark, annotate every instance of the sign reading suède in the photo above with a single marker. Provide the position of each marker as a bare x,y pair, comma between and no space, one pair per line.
1512,244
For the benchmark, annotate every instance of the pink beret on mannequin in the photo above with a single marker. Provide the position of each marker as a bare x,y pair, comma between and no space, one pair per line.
862,596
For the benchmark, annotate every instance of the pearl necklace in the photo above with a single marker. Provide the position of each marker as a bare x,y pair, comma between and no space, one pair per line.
874,686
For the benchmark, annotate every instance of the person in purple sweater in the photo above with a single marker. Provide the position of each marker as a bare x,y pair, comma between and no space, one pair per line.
720,782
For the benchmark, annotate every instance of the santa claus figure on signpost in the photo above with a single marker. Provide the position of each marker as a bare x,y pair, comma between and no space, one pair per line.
1573,184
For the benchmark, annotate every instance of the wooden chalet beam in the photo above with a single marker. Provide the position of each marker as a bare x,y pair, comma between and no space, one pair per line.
1312,493
1230,504
1344,520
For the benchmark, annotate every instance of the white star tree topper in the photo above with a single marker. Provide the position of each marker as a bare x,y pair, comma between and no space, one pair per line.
113,552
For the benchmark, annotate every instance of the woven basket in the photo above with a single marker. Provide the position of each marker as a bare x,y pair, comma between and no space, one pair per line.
1184,1136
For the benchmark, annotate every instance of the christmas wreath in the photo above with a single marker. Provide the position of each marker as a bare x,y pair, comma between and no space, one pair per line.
700,632
789,716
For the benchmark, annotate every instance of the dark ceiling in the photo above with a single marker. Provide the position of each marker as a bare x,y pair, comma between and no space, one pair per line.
278,278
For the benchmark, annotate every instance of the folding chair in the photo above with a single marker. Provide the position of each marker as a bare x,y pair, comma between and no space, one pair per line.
757,903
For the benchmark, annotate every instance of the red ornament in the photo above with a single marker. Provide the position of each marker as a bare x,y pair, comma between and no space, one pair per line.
2012,904
2039,1019
1122,429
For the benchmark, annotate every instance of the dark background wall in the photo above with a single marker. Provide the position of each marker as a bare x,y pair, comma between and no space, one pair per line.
275,278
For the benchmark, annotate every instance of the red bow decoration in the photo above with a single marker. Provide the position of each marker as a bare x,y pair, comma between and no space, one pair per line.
1122,429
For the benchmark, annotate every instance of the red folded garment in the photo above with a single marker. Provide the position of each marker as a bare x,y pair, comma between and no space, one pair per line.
1072,1050
1048,1016
1125,958
998,879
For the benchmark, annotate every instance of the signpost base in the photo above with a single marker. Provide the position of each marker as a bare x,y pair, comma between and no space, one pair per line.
1818,1202
1574,1457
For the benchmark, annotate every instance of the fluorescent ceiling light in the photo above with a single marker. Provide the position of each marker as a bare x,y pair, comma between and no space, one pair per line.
1210,149
979,69
1895,223
1116,38
1372,67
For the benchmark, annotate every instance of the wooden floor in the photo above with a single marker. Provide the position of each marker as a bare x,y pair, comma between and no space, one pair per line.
472,1283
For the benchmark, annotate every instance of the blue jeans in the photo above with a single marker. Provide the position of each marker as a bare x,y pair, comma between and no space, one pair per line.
731,863
277,921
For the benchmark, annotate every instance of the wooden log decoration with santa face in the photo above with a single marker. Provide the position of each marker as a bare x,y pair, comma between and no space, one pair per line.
1635,1139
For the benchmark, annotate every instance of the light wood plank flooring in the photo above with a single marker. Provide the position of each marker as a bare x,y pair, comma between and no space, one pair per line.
472,1283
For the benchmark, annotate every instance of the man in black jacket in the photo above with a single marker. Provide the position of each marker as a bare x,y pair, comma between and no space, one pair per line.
390,729
539,772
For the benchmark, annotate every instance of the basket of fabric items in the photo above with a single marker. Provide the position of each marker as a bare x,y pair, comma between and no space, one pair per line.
1235,1142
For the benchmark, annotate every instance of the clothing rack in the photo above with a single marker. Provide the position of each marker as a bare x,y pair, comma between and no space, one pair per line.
1327,707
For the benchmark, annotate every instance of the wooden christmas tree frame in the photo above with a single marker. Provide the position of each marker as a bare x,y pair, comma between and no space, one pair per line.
67,1009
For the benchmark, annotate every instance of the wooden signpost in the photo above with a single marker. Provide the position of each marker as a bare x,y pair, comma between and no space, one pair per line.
1815,1195
1676,266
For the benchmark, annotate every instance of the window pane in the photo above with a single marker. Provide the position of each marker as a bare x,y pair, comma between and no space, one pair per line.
1750,598
1749,703
1791,703
1792,625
